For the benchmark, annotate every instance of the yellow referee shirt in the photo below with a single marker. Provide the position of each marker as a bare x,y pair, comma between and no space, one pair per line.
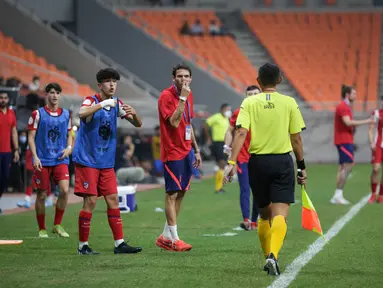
271,118
219,125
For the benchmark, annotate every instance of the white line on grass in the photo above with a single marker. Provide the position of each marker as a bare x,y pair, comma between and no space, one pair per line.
291,272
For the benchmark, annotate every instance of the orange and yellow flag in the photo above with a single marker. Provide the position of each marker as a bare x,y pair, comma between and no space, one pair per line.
310,220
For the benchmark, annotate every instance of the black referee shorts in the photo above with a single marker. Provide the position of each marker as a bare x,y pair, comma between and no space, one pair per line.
272,178
217,151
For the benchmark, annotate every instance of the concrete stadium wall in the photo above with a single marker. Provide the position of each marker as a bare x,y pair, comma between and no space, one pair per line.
51,10
144,56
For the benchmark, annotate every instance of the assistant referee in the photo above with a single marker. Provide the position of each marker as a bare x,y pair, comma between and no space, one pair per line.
275,122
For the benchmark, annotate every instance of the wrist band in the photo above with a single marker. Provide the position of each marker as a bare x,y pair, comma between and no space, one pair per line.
196,151
301,164
69,147
231,162
183,99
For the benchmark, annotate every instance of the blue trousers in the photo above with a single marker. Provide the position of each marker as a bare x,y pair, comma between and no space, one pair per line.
244,193
5,169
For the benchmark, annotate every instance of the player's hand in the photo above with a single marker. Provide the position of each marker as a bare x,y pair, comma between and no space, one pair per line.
198,160
227,150
65,153
37,164
129,110
16,156
373,147
229,173
301,177
185,91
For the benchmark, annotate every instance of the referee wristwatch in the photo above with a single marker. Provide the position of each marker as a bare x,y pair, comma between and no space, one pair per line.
301,164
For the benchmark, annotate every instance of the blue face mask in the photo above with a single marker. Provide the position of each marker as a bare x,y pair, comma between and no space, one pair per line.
23,139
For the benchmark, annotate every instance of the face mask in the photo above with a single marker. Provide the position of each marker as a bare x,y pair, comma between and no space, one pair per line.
227,113
23,139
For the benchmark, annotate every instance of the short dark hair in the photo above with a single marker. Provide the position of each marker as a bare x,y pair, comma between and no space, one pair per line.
224,105
252,87
157,128
269,74
181,66
346,90
35,78
55,86
107,73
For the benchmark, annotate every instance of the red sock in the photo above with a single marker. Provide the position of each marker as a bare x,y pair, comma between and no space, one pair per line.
115,223
41,221
28,192
84,225
373,187
381,189
59,216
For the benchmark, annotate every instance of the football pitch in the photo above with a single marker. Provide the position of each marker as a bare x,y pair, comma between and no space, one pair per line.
353,258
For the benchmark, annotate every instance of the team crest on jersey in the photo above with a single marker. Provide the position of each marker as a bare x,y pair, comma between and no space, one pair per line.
86,185
54,134
105,131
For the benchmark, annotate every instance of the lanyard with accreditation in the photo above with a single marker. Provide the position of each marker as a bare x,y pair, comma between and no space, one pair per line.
187,118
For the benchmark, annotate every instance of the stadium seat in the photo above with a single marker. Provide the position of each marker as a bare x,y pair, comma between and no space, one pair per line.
16,61
320,51
221,52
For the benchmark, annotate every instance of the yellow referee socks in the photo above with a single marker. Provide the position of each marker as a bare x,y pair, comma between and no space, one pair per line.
264,235
277,234
219,179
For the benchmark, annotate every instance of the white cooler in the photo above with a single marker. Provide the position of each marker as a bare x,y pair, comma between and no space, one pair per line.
127,198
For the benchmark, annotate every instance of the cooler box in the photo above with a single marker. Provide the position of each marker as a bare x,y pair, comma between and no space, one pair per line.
127,198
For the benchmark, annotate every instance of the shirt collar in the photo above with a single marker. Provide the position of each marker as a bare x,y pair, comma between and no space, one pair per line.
347,102
6,111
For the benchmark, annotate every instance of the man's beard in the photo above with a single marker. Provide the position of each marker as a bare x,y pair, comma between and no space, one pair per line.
3,105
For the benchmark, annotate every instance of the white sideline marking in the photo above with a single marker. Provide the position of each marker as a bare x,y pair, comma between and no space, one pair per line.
291,271
219,235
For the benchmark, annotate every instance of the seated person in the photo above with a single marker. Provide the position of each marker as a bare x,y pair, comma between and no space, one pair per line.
214,29
197,28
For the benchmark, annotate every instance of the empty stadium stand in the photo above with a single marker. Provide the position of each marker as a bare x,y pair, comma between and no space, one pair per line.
221,51
320,51
24,64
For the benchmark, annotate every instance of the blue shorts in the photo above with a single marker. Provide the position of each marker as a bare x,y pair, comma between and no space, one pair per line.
178,174
346,153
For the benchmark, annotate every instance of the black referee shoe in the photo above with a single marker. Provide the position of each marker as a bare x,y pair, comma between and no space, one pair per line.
86,250
221,191
271,266
124,248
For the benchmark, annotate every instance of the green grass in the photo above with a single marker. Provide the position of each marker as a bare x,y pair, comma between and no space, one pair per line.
214,261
